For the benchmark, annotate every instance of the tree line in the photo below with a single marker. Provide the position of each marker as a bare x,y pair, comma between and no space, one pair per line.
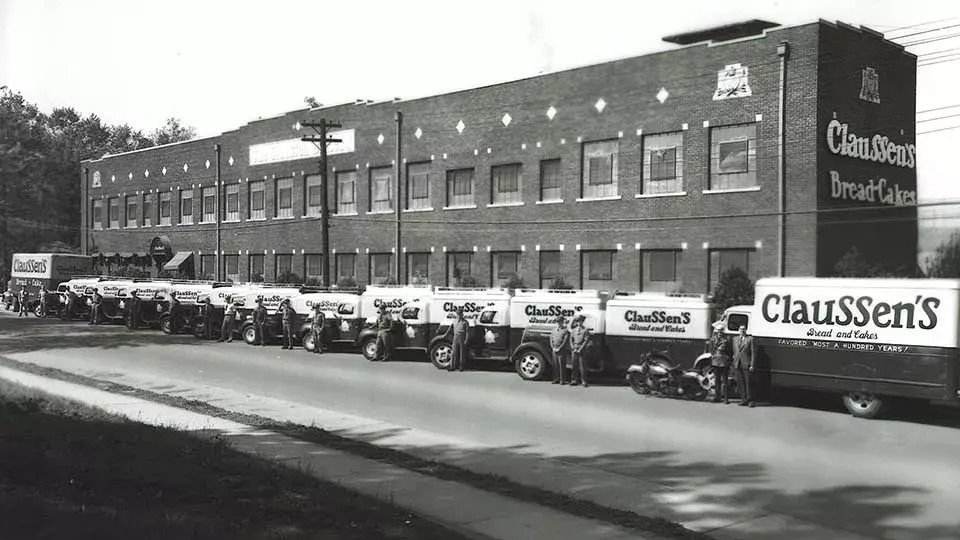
40,157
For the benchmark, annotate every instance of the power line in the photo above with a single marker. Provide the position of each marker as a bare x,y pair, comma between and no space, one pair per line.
917,26
937,130
939,108
937,118
926,31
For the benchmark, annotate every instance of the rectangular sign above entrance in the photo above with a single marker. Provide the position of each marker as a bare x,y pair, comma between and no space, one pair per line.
293,149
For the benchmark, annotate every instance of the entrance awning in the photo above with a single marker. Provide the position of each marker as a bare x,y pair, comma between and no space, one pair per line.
178,260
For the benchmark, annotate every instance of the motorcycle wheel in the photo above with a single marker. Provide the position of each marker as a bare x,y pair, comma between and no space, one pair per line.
638,384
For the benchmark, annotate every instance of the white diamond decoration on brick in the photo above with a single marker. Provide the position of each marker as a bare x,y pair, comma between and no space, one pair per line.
113,178
380,138
130,176
600,105
185,167
418,133
662,95
506,119
164,171
207,164
460,127
230,161
146,173
551,112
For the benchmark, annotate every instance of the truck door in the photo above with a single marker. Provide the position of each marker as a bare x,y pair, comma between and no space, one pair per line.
491,334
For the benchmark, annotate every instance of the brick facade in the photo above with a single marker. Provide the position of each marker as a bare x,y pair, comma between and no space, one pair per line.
693,221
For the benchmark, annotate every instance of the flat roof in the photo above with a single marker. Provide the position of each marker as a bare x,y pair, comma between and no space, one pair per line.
727,32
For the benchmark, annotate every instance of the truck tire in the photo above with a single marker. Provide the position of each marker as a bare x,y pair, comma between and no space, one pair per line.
531,365
369,348
441,354
638,383
306,339
249,334
166,325
862,404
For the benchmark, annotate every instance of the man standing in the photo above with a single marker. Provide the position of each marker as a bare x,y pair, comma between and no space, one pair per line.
316,329
133,311
384,337
560,343
287,314
176,313
260,322
23,300
457,334
743,361
229,316
44,298
720,350
207,317
71,305
95,302
579,337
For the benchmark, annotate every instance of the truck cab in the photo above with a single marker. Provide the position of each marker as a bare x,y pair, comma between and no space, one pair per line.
341,312
79,285
188,294
218,296
112,290
393,298
272,296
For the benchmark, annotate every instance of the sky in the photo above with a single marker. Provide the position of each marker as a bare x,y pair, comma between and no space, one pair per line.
217,65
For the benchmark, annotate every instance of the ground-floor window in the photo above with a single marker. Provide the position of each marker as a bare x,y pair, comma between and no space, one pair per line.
418,268
660,270
505,265
231,267
207,270
313,268
598,269
346,265
549,268
722,260
380,267
459,267
284,268
255,268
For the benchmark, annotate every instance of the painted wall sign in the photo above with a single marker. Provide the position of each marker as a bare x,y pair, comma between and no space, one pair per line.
293,149
732,82
96,179
879,148
870,85
877,190
877,315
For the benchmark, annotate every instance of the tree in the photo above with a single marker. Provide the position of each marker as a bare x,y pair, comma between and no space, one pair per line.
946,259
389,280
311,102
733,289
173,131
467,281
288,277
560,284
347,282
515,282
855,264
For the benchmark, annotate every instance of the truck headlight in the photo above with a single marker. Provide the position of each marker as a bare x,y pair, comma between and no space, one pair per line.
123,304
159,308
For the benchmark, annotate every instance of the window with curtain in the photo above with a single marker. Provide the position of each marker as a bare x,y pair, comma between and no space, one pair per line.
255,268
550,180
314,195
231,267
186,207
505,184
148,208
459,266
381,189
209,204
131,210
599,269
549,268
418,186
313,267
284,196
346,265
257,206
346,192
505,266
283,265
233,202
418,267
460,188
97,214
114,209
165,202
381,267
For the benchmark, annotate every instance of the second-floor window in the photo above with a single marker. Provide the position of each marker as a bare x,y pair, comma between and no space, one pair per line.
733,157
460,188
550,180
131,210
418,186
233,203
381,189
256,200
662,163
314,195
148,208
97,214
505,184
284,198
600,169
165,208
346,192
209,204
186,207
114,209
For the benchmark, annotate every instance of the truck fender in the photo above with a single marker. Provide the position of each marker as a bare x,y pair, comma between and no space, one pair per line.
539,347
366,332
702,361
634,368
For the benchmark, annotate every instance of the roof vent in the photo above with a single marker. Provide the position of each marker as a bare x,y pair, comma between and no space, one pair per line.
727,32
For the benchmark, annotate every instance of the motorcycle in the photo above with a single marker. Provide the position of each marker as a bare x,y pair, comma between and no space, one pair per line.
656,374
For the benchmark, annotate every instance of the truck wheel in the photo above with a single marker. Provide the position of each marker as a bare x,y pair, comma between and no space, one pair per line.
531,365
166,325
441,354
249,334
862,404
37,312
307,340
369,348
638,383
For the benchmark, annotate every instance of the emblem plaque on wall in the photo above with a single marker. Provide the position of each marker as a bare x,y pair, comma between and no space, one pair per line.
870,85
732,82
96,179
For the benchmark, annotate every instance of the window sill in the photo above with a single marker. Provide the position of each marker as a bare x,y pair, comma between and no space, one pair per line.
98,229
283,217
165,225
257,219
464,207
230,221
185,223
735,190
130,227
656,195
347,214
380,212
589,199
552,201
309,216
410,210
214,222
506,204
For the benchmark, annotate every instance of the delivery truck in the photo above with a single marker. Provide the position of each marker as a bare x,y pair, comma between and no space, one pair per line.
33,271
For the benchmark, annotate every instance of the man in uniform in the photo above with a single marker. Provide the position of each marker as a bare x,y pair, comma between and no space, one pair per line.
23,300
95,302
384,337
70,305
260,322
457,334
560,343
176,313
206,314
133,311
229,316
287,315
316,329
744,357
720,361
579,337
44,298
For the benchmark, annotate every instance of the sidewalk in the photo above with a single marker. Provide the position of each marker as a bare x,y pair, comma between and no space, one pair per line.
469,511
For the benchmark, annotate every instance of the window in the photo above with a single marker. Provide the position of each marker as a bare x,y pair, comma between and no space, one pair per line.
722,260
460,188
505,184
736,320
662,163
550,180
284,202
459,265
313,268
659,270
131,211
165,208
314,195
283,265
598,269
506,265
207,270
418,267
257,200
148,208
209,205
418,186
733,157
231,267
380,267
233,203
114,212
186,207
346,265
97,215
600,169
255,268
549,268
381,189
346,192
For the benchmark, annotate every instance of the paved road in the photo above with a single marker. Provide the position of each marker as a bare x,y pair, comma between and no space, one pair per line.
896,479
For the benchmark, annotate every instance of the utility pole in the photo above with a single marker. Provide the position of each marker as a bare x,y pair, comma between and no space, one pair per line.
322,128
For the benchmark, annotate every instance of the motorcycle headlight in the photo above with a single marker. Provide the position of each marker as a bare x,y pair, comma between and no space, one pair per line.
123,304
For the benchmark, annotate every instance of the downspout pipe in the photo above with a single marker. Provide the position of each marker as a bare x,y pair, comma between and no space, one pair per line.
783,51
219,252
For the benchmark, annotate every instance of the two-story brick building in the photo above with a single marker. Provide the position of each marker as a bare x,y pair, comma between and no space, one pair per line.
773,149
